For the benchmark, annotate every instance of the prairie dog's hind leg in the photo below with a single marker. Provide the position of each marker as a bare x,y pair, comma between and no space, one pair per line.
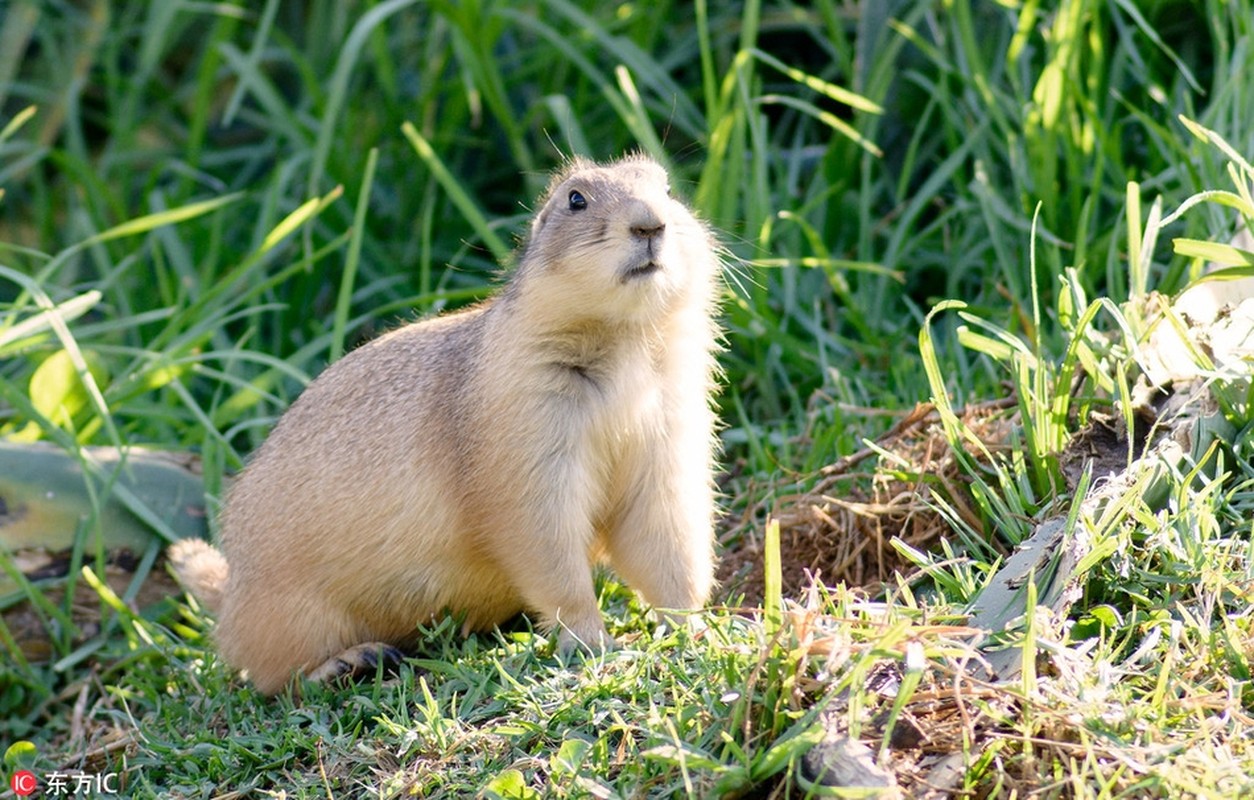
275,641
358,661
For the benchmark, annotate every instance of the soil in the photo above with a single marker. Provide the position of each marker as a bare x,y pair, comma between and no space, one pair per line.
840,531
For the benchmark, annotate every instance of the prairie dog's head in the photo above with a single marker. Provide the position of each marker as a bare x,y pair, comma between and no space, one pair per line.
610,242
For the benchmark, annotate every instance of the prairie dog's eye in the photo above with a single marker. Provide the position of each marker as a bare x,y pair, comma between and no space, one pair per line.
577,201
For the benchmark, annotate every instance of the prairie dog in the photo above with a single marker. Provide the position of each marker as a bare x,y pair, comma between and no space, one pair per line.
482,462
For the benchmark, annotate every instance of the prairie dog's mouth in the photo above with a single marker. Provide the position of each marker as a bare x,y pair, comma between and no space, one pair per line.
641,271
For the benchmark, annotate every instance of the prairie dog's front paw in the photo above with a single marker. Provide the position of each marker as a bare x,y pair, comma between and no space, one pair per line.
674,620
597,640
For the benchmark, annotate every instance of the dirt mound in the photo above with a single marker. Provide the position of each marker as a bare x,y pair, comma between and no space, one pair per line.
841,529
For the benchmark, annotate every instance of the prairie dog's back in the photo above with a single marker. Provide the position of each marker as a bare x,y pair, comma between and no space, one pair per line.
360,417
331,501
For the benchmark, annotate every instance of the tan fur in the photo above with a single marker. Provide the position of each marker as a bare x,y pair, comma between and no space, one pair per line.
481,463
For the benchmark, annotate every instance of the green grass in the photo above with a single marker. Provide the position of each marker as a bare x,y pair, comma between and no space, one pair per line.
204,204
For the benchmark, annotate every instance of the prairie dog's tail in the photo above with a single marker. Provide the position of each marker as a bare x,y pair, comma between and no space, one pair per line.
201,569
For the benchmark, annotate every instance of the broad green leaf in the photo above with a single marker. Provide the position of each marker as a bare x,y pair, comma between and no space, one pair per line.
569,757
1213,251
20,754
510,785
57,390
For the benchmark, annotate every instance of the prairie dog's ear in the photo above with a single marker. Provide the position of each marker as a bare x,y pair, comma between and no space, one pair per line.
559,177
538,222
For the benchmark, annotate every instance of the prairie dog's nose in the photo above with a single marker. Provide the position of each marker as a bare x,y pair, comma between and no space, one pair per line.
647,231
645,222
